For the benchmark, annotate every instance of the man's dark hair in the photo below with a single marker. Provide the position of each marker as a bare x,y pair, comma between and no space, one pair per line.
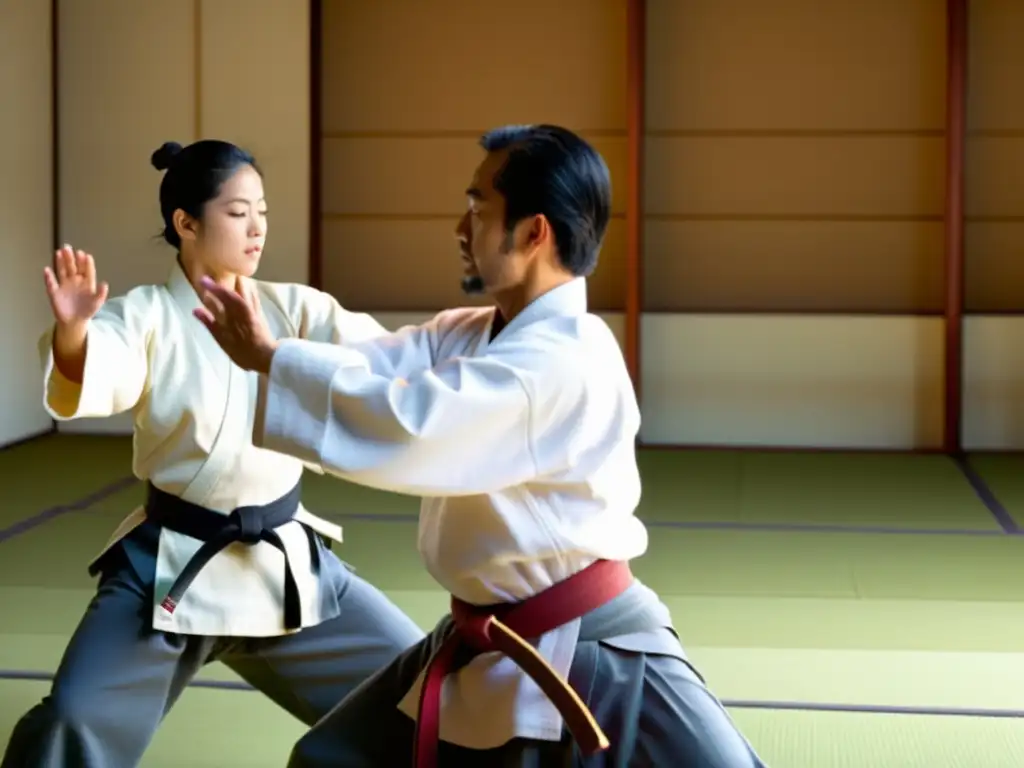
552,171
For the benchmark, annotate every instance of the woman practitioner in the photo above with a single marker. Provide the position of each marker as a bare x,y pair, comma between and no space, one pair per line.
222,562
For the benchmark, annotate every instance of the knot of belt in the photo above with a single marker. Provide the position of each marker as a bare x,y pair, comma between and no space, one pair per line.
502,629
248,525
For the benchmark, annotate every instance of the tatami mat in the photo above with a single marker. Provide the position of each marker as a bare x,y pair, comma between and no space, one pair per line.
255,734
796,581
863,490
1004,474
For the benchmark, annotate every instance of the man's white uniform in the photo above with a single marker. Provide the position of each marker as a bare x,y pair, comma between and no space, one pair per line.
522,445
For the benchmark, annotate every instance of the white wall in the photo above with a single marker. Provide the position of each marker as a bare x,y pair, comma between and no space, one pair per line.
993,417
827,382
26,211
134,75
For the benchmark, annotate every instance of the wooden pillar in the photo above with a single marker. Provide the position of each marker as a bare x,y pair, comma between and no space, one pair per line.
956,86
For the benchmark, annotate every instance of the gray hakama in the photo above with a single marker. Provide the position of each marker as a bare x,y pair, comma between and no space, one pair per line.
119,677
630,670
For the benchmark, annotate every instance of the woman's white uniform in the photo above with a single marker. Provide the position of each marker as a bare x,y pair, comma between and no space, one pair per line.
193,413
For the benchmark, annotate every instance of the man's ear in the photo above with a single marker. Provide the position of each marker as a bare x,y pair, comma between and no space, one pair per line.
538,231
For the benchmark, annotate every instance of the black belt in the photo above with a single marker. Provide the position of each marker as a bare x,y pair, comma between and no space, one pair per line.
245,525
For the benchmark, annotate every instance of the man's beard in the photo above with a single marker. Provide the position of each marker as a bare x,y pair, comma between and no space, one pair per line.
473,285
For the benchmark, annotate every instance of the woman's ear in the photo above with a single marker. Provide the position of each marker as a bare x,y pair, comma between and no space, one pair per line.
186,227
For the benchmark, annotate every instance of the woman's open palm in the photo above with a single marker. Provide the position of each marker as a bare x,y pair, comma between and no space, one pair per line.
71,285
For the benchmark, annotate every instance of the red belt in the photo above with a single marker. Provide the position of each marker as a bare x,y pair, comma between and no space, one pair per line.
502,628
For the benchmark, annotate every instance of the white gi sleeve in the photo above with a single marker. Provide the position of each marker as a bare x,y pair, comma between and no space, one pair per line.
464,426
116,363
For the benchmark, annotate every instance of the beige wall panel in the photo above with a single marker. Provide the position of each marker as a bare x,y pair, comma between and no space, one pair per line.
867,382
457,65
993,390
796,158
797,65
422,176
404,265
795,176
994,171
127,84
255,92
994,269
606,288
129,76
407,91
821,266
994,175
995,67
26,211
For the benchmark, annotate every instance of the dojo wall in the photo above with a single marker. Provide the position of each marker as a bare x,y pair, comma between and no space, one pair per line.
794,232
794,199
793,238
994,229
136,74
406,94
26,209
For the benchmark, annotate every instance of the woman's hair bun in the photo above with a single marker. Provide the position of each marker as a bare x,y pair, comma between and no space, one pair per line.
161,159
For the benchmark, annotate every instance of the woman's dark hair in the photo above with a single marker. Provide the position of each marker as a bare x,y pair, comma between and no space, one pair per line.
195,175
552,171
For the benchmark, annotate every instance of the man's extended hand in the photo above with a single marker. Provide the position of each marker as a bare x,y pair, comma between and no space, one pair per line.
235,320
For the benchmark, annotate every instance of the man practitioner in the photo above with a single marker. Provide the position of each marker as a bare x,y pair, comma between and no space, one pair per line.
517,425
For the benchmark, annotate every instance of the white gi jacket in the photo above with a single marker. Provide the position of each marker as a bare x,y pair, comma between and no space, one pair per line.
193,411
522,448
